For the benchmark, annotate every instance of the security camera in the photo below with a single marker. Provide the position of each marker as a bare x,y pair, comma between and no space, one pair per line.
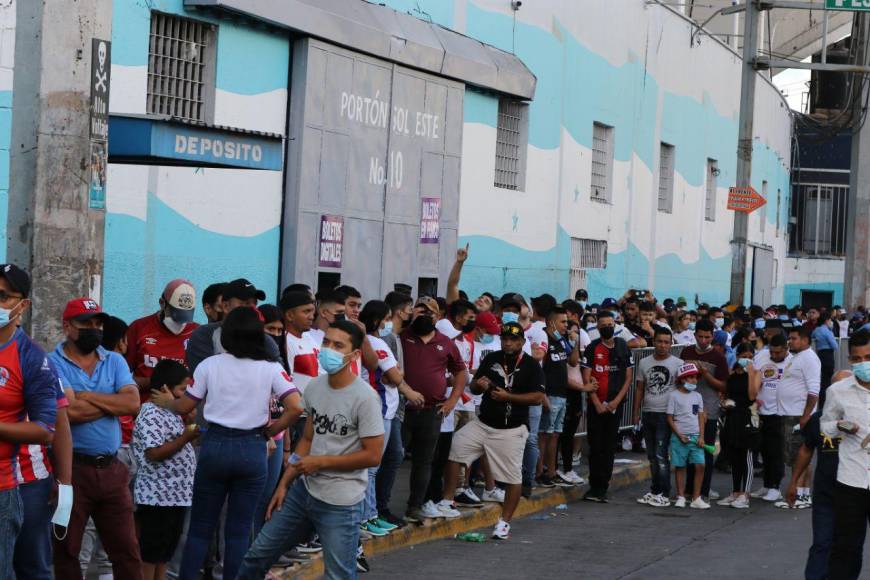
515,4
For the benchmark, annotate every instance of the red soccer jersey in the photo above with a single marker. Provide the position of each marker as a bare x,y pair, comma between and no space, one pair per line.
302,354
149,342
33,460
28,391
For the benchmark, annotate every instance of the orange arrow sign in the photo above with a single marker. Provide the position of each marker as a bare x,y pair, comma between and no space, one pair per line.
744,199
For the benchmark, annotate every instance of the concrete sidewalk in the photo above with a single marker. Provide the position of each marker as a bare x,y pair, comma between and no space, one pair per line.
631,469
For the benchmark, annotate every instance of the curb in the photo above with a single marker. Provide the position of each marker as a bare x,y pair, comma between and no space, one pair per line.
472,519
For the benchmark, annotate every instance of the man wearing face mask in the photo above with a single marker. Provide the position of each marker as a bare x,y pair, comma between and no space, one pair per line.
428,356
100,389
31,401
330,309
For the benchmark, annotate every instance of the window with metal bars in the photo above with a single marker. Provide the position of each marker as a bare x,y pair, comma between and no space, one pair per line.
585,255
511,143
181,65
819,219
602,162
666,178
710,197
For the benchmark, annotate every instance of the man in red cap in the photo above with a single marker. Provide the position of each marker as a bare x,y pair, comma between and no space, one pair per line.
100,389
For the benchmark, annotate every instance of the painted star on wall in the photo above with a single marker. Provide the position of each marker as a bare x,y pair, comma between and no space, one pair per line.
576,193
515,219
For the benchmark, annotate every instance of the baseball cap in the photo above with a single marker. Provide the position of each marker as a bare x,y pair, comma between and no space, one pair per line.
429,304
181,298
295,299
609,303
241,289
688,370
509,299
681,301
512,329
544,303
487,322
82,310
17,278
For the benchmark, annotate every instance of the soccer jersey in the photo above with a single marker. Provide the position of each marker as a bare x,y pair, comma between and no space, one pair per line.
389,393
28,392
33,461
608,365
302,354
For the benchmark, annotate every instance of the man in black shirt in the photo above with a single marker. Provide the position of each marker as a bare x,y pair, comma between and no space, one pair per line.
556,379
510,382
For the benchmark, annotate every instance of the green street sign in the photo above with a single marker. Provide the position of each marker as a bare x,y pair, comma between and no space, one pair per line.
854,5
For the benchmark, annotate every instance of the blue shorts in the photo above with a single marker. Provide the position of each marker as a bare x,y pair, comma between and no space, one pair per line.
552,420
685,453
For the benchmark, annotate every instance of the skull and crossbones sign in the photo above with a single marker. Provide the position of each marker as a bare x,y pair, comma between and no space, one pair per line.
101,73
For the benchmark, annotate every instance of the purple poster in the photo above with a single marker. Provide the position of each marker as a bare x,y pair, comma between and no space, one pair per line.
331,234
430,220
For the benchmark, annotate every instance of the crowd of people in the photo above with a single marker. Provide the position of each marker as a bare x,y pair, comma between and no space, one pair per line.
165,448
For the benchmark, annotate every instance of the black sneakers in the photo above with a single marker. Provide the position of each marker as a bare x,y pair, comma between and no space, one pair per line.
362,565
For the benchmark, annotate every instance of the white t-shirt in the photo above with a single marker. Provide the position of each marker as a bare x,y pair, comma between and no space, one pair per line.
389,393
802,377
479,353
237,391
466,351
316,335
302,354
771,376
684,337
446,328
536,335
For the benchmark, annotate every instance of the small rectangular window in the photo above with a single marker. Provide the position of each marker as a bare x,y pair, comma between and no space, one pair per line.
181,68
710,197
585,255
511,144
666,178
762,212
602,163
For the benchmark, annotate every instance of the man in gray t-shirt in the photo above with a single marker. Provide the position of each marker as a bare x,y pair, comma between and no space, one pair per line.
656,379
344,436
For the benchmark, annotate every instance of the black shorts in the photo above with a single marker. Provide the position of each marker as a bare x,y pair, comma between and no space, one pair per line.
159,530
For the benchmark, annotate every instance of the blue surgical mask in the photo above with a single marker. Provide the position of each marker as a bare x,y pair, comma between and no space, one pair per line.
387,330
332,361
6,317
64,506
744,362
583,304
487,339
691,326
719,322
862,371
509,317
690,386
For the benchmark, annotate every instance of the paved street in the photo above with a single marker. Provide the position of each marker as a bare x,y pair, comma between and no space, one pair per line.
625,540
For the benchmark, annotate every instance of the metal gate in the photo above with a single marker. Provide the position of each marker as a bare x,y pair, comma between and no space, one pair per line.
762,277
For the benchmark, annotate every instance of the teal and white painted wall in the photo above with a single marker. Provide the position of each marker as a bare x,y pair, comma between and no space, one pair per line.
205,224
626,64
7,63
814,275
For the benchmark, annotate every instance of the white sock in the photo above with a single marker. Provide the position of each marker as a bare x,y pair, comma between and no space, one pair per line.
803,491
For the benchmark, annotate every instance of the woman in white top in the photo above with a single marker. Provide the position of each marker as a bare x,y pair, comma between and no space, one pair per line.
237,387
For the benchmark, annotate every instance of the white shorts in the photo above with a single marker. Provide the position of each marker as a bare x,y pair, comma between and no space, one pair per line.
503,447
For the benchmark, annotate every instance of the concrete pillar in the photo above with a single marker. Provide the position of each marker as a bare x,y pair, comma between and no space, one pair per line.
51,231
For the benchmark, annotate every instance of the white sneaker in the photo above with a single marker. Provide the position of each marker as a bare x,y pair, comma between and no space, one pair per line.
759,493
571,477
428,510
502,530
470,493
659,501
727,500
575,459
681,502
446,509
714,494
772,495
741,503
646,497
495,494
803,502
699,504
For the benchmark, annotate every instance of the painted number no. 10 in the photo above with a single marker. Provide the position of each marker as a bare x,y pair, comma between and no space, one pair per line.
392,173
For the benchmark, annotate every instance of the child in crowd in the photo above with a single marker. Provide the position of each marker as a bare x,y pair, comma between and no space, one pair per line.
163,489
686,419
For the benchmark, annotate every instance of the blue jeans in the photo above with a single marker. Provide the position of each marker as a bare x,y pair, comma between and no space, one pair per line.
553,419
337,526
531,452
33,547
657,435
231,468
823,537
370,504
394,454
273,473
11,517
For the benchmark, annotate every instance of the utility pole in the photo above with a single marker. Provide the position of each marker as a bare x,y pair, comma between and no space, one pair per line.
744,149
857,277
53,232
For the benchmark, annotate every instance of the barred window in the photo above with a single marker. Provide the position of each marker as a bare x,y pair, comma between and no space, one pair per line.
511,144
710,198
666,178
585,255
181,65
602,162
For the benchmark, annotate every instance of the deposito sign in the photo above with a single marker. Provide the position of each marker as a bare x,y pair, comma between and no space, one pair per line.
857,5
744,199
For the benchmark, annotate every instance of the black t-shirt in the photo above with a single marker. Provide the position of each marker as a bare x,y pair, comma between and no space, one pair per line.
638,330
525,377
556,368
827,461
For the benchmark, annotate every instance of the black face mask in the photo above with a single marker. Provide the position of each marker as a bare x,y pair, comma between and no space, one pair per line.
279,340
339,317
606,332
423,325
89,339
468,327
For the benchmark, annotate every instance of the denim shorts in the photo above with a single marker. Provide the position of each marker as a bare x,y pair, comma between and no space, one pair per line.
552,419
684,453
